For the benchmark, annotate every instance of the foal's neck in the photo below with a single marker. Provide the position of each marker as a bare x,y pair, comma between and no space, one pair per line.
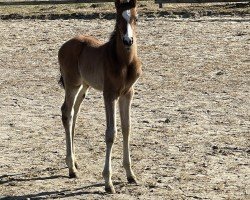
124,56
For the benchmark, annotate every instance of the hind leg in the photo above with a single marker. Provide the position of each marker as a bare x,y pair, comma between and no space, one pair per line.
82,94
73,98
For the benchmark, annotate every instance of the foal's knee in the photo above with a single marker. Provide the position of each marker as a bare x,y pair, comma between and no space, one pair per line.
110,136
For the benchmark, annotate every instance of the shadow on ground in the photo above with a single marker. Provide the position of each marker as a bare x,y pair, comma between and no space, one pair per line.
59,194
15,178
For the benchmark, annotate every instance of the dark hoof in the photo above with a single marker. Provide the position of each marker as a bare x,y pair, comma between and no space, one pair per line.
110,190
73,175
132,180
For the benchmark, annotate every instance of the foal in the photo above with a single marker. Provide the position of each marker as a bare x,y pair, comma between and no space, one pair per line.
113,68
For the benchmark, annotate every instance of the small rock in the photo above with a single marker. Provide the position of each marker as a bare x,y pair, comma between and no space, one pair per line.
167,120
215,147
11,124
152,186
159,181
219,73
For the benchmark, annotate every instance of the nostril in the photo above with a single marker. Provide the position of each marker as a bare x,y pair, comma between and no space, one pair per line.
128,41
124,41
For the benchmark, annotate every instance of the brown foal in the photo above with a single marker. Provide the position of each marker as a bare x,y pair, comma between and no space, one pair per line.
113,68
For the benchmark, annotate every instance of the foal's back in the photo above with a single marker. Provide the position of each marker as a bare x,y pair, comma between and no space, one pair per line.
81,61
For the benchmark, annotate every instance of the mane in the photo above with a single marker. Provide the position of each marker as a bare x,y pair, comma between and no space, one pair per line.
112,40
112,44
112,36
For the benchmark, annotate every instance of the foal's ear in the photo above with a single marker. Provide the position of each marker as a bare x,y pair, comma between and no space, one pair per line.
117,4
133,3
125,5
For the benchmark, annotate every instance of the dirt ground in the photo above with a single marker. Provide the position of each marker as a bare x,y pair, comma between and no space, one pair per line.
190,114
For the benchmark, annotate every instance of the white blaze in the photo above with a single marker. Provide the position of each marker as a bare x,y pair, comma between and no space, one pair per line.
129,34
126,15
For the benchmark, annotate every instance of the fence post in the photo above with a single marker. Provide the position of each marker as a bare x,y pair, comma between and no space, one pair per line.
159,3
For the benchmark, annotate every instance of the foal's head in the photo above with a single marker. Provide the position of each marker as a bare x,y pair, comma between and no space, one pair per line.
126,21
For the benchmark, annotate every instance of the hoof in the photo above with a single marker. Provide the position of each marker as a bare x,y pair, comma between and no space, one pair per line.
132,180
110,190
73,175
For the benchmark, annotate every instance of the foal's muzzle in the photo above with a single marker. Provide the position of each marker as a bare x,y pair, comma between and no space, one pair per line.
127,41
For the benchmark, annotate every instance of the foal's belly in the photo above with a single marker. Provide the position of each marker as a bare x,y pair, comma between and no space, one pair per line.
92,73
94,81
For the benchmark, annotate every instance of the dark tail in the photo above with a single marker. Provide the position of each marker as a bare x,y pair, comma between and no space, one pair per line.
61,82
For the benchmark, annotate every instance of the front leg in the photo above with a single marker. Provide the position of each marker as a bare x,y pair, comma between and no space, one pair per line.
110,105
125,105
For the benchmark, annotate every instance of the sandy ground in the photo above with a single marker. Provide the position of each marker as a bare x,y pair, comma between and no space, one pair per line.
190,114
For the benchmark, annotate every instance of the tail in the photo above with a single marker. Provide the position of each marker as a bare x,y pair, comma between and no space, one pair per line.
61,82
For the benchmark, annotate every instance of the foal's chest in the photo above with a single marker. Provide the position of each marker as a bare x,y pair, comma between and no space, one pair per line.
132,73
127,77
